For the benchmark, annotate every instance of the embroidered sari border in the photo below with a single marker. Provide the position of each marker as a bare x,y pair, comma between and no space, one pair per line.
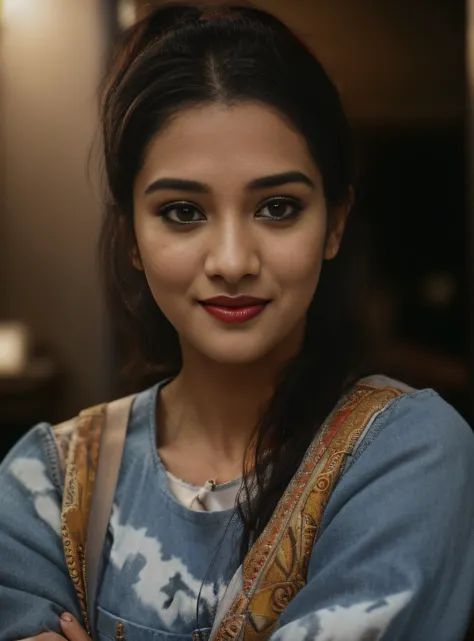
276,567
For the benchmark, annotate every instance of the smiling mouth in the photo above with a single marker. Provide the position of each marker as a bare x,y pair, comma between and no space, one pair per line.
239,309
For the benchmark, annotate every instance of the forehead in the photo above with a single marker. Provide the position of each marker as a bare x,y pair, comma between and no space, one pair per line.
231,143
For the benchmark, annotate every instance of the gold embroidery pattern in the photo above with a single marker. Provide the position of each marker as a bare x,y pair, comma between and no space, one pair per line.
276,567
78,443
120,631
63,434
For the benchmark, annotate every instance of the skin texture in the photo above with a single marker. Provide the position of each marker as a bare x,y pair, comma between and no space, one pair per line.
233,247
71,629
231,250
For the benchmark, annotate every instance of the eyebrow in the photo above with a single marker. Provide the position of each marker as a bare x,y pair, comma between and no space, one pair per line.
275,180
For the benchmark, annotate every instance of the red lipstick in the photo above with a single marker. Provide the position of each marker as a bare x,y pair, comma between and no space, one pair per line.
234,309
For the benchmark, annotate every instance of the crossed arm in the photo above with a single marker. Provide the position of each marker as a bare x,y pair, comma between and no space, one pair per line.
70,628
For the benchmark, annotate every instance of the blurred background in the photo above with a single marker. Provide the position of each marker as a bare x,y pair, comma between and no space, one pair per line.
403,67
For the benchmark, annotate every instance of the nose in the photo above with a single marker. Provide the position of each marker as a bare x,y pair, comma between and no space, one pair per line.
232,252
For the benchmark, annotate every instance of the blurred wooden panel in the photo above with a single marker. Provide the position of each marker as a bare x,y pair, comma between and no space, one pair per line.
396,62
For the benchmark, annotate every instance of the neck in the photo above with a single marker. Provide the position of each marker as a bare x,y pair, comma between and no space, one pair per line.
217,406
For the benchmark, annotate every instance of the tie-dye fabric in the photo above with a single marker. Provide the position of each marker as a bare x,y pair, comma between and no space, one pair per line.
394,558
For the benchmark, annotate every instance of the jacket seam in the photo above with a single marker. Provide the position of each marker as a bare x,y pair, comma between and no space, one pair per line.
51,453
382,419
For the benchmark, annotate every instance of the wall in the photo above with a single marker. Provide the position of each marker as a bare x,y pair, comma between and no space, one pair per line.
396,63
52,55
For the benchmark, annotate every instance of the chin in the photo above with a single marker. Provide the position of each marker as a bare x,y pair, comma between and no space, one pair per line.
238,353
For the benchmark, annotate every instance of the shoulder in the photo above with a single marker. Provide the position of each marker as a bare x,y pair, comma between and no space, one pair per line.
417,452
399,518
44,447
31,481
33,459
420,419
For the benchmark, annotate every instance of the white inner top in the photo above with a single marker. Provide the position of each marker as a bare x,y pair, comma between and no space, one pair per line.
211,497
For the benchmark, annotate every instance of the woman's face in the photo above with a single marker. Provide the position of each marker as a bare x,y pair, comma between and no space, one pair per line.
231,228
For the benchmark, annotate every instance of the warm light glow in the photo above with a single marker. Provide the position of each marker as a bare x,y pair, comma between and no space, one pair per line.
14,339
126,13
24,9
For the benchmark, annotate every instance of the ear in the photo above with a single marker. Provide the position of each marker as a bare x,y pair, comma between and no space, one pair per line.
130,242
136,259
336,227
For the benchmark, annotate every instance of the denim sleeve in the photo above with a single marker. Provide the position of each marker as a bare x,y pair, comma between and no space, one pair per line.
395,556
34,583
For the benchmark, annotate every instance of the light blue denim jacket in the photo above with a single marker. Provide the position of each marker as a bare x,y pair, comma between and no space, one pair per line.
394,560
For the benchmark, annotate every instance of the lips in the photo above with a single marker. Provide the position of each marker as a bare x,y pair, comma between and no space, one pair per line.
234,309
234,301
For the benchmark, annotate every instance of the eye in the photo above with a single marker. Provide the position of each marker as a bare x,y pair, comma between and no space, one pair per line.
280,208
181,213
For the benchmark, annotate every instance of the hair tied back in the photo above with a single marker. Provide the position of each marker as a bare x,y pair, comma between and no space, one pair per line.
217,12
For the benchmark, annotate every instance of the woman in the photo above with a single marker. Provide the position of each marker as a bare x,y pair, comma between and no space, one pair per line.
229,165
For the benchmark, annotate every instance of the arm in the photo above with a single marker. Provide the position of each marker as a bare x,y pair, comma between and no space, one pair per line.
395,558
35,587
70,628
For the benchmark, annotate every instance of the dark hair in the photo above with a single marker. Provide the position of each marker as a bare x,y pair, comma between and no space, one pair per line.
181,56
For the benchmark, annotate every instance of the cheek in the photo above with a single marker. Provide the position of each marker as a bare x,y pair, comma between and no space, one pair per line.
168,265
297,264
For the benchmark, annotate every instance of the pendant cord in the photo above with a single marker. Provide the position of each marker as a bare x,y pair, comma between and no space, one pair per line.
211,565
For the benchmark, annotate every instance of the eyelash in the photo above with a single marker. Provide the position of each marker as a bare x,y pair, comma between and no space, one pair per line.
297,205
